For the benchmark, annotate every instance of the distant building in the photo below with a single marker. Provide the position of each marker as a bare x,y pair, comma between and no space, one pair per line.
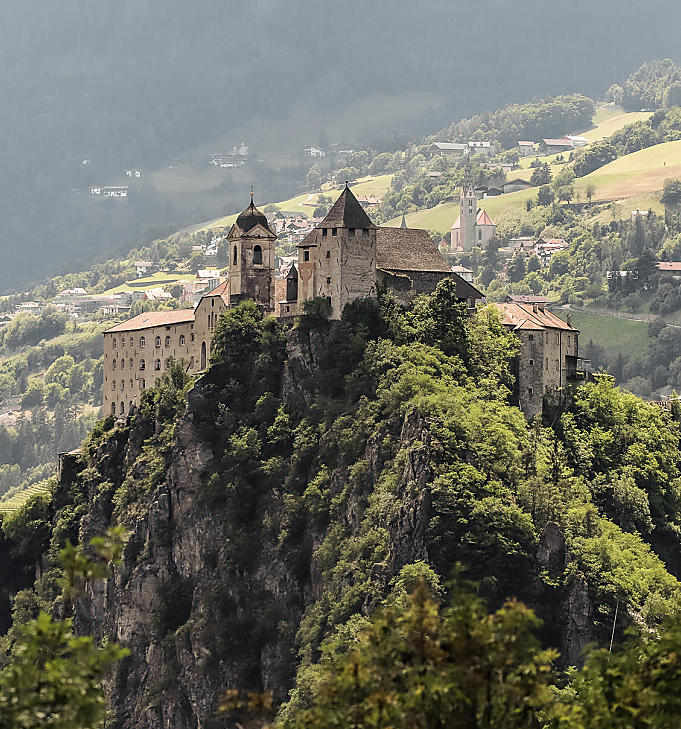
527,149
577,141
144,268
516,185
134,173
551,146
483,148
671,268
109,190
448,149
465,273
473,226
314,152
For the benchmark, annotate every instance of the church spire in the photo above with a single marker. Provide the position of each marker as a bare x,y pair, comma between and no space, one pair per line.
403,224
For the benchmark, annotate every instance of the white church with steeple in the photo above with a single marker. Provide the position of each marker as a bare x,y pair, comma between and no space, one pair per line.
473,227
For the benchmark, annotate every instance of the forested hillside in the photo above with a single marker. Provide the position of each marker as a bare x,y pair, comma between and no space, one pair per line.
114,85
312,475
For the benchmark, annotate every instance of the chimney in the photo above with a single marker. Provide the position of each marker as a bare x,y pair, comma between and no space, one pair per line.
534,308
568,319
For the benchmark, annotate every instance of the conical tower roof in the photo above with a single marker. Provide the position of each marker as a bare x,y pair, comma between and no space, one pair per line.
346,212
403,224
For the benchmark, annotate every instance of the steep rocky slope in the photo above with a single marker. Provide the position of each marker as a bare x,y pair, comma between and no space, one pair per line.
308,475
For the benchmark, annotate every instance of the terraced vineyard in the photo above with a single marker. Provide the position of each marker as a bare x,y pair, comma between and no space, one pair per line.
15,498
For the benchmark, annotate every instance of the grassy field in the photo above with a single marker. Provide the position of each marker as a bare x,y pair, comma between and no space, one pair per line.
640,173
305,204
441,217
157,280
624,336
612,124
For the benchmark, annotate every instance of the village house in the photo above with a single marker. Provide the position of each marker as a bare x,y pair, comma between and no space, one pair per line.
314,152
672,269
516,184
115,191
482,148
144,268
527,149
548,358
448,149
551,146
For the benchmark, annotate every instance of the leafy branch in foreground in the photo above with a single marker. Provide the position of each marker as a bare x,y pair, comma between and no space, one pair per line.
54,678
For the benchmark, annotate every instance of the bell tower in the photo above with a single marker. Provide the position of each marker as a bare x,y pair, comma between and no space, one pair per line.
251,259
468,215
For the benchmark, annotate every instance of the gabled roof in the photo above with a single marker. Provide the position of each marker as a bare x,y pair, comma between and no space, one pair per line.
562,142
450,146
482,218
222,291
408,249
526,316
669,266
150,319
346,212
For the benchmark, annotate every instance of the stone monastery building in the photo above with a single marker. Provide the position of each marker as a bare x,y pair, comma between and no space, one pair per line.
344,258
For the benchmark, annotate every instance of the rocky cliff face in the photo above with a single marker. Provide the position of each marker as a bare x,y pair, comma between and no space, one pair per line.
231,580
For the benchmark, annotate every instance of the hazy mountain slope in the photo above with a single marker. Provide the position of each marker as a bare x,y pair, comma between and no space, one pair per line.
137,84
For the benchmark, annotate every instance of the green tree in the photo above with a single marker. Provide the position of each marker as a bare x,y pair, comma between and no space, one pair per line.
516,268
54,678
314,178
545,195
541,175
420,666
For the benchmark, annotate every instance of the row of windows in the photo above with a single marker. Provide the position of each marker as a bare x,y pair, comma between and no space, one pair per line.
351,232
157,341
143,366
531,362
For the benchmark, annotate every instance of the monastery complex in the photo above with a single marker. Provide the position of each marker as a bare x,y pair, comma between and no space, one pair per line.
346,257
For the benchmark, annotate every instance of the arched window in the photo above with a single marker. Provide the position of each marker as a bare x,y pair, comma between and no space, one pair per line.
235,255
132,384
167,341
257,256
122,410
157,365
113,408
122,363
122,385
166,364
181,340
143,384
203,355
143,342
143,365
114,344
132,364
122,341
158,341
113,384
132,343
114,364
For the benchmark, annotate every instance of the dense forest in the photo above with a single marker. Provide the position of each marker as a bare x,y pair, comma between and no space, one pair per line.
115,86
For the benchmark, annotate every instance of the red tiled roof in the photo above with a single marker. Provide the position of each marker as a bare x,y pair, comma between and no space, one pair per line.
150,319
222,291
524,316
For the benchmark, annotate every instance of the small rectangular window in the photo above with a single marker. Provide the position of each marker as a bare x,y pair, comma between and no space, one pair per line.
531,337
328,279
351,232
328,254
334,231
325,232
531,362
306,256
530,391
365,231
